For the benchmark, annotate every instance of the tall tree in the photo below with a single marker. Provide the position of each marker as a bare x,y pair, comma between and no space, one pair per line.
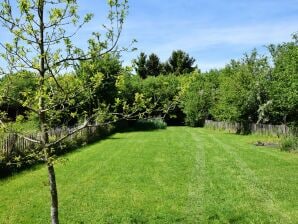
140,65
39,29
180,63
242,90
153,65
198,96
107,68
284,82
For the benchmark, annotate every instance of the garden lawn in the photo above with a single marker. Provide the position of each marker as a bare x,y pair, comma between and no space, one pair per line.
178,175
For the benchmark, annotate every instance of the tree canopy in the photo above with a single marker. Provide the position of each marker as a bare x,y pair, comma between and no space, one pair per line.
180,63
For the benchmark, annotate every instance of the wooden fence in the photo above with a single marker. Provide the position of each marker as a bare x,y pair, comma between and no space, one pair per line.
12,142
264,129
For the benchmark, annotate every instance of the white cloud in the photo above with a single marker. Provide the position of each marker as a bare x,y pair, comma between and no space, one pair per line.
202,38
164,38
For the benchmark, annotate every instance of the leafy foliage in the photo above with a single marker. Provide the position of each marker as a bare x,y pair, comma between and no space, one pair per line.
198,97
180,63
161,93
284,82
242,89
98,78
153,65
140,65
17,90
289,143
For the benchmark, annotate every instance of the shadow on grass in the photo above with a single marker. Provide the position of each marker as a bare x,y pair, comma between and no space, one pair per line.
141,125
69,147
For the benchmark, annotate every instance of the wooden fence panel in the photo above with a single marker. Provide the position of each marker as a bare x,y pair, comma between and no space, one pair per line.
14,143
265,129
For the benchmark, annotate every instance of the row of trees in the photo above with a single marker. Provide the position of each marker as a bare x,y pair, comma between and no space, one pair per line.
256,88
179,63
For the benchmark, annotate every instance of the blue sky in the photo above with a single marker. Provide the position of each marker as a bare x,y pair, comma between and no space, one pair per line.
211,31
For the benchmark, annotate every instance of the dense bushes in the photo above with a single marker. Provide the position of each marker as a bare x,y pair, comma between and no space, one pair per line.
161,91
197,97
252,89
150,124
289,143
255,88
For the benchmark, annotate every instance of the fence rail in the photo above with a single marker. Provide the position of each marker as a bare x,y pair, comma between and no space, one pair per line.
265,129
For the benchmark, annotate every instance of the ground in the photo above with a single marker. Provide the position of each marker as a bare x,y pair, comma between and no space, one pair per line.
178,175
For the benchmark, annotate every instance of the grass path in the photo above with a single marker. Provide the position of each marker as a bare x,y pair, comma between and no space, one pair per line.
178,175
236,188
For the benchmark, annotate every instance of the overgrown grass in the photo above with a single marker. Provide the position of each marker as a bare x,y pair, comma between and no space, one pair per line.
289,143
178,175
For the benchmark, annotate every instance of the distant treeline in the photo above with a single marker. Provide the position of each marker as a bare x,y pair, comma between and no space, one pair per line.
253,89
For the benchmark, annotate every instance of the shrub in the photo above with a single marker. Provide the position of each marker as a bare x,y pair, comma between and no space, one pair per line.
150,124
289,143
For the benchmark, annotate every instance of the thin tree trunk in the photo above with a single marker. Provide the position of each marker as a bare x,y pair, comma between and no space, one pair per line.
42,117
54,194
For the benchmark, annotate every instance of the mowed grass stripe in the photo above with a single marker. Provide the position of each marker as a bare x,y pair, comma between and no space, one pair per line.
197,182
178,175
128,178
225,200
137,182
235,192
251,184
276,172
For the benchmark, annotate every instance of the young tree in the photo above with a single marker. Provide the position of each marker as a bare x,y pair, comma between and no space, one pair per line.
41,34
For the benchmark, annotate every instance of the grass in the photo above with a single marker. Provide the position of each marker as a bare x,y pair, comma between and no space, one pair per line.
178,175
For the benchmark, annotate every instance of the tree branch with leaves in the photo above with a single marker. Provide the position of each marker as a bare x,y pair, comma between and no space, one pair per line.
41,34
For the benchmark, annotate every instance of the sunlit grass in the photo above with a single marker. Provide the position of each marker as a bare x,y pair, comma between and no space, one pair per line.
178,175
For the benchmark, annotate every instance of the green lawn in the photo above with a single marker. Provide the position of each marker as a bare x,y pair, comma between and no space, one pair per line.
178,175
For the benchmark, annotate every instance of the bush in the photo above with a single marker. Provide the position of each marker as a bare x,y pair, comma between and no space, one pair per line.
150,124
289,143
161,92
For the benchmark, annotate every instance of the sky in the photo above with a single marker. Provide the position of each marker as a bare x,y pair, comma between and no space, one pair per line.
211,31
